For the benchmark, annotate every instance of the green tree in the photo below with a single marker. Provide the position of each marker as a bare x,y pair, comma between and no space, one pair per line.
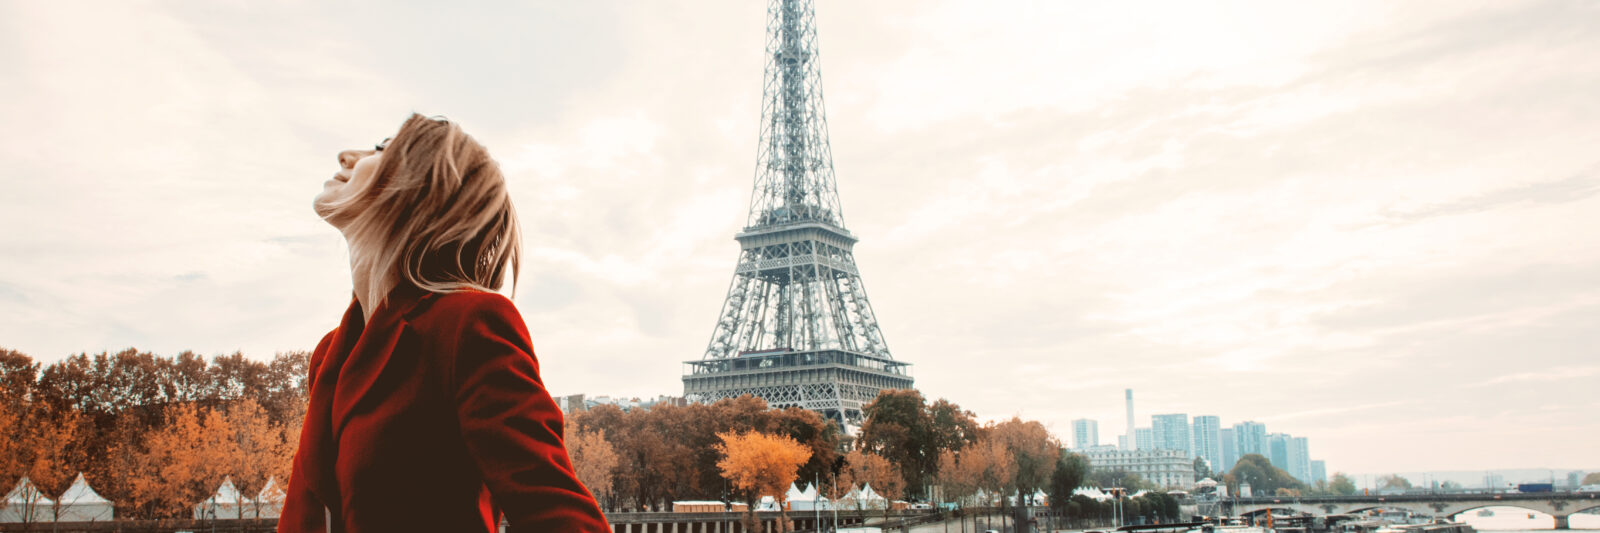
1394,481
1450,485
1117,477
1261,475
1069,474
953,427
1202,469
1342,485
899,428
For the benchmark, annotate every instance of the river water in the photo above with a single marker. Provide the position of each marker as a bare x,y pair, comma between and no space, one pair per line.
1516,519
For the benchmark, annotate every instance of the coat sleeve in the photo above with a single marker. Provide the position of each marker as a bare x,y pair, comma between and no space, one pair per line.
302,512
512,428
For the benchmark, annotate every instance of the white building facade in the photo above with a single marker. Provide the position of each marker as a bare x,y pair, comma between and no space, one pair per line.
1167,468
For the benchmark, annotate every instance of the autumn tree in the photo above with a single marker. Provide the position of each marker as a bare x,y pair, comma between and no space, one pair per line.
17,376
758,463
954,428
901,427
989,466
1033,449
261,449
594,460
953,483
1592,478
182,462
668,452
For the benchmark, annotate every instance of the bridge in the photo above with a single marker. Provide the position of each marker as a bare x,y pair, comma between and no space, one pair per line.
1561,505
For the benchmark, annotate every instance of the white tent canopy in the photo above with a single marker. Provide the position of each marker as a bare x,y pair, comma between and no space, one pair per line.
794,494
1091,492
269,502
870,499
228,502
80,503
767,503
26,504
808,500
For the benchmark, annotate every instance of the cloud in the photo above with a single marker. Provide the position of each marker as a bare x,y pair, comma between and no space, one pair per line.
1575,188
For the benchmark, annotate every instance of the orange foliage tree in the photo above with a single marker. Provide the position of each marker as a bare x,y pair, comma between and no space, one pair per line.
261,449
594,459
1033,451
181,463
758,463
875,471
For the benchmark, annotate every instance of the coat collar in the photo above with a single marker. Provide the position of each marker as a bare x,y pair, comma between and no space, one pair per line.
401,302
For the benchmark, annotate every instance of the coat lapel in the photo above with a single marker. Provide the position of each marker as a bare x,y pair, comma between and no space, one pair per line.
344,382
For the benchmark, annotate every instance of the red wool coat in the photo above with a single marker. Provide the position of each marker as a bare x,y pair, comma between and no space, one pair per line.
433,418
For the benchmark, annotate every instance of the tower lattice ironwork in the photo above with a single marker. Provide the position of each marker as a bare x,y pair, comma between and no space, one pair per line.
796,328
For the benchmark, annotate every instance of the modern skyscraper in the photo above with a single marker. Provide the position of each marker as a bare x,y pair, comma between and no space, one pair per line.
1085,433
1207,435
1132,442
1251,438
1144,439
1319,472
1278,450
1230,450
1298,458
1172,432
796,328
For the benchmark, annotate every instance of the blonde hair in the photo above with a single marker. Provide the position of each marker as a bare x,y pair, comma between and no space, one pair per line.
436,215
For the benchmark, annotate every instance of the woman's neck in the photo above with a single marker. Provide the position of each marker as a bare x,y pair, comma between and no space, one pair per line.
362,281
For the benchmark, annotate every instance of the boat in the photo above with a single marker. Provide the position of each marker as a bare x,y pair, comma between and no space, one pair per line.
1214,528
1437,526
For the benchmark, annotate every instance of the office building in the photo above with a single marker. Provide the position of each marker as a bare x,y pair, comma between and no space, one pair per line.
1085,434
1319,472
1250,438
1144,439
1230,450
1172,432
1206,432
1278,450
1298,458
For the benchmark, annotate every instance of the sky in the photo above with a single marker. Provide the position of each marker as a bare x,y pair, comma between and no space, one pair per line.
1366,223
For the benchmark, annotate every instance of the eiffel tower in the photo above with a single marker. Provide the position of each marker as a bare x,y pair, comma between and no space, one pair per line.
796,328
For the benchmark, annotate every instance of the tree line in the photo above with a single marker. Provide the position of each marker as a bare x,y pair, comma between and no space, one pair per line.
153,434
157,434
906,448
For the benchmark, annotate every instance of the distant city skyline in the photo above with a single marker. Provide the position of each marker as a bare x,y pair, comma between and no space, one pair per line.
1203,437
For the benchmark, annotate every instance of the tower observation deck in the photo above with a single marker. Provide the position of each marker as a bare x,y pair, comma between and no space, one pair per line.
796,328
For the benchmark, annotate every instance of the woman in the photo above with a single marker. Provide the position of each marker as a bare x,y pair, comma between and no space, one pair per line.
427,412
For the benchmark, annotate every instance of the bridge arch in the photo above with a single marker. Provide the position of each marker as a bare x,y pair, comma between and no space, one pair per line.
1277,511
